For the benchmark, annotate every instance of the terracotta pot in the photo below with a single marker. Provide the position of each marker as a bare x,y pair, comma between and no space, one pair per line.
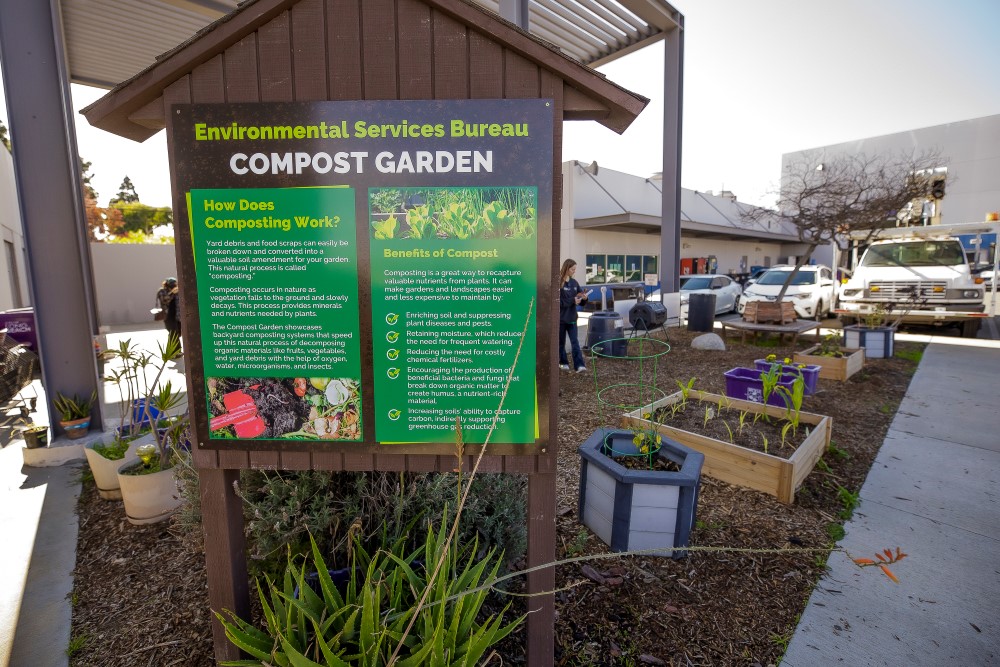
76,428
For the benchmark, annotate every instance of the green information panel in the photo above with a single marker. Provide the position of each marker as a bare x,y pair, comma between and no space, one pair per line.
454,271
278,293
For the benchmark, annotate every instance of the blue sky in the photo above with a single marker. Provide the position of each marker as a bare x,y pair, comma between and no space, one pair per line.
762,78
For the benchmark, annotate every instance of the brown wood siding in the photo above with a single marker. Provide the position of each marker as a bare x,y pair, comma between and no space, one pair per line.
308,50
346,49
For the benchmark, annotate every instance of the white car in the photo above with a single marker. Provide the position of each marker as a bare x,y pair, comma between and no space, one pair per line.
726,290
812,292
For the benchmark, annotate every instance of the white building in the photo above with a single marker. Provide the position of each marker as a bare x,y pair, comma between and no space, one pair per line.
611,226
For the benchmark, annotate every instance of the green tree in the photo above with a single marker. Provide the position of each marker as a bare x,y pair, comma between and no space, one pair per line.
140,217
85,177
126,193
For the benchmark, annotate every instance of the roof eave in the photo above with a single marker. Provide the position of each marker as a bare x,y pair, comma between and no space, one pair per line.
113,111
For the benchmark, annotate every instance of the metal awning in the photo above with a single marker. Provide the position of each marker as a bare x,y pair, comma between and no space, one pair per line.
109,41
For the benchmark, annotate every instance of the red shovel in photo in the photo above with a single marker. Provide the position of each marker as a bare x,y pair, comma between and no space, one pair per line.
242,415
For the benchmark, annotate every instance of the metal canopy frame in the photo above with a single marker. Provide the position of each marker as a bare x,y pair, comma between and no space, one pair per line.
109,41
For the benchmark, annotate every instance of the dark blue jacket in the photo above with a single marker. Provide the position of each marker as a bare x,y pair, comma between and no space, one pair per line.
567,300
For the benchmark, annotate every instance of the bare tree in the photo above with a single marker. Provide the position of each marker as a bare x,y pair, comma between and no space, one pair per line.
825,197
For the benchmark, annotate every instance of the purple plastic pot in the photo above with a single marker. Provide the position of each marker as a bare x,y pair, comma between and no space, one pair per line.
809,373
745,384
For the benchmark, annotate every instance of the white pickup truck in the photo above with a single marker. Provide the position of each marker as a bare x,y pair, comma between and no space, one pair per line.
921,274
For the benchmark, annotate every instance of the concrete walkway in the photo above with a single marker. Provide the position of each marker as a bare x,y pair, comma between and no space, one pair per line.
934,491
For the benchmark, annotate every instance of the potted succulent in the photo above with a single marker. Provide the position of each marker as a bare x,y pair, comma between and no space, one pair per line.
149,485
74,414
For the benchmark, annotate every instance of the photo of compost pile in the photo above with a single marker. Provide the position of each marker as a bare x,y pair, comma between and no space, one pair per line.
453,213
284,408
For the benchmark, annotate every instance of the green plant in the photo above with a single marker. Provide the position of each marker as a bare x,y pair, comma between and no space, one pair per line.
579,542
781,641
840,453
910,355
76,644
849,500
367,622
876,317
386,200
709,413
685,390
73,407
114,450
835,531
823,466
282,508
830,345
385,229
769,380
793,398
421,222
731,438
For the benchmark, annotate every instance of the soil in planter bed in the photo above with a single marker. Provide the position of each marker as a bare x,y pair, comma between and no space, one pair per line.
642,463
707,609
724,425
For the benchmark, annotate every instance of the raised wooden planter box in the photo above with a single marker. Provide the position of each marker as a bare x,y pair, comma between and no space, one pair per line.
764,312
741,466
832,368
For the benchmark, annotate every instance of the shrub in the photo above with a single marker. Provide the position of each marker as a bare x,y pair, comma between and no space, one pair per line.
283,508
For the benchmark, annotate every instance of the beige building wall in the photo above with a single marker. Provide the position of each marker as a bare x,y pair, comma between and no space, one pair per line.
126,278
14,286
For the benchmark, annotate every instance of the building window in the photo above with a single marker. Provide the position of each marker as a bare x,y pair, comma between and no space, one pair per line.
603,269
633,268
595,269
616,268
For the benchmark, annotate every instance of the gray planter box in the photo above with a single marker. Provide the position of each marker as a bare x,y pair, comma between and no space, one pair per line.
877,342
638,510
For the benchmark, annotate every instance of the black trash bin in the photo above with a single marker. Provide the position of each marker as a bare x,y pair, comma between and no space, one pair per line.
607,325
701,312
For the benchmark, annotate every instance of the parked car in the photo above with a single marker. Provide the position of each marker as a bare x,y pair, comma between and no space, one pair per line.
726,290
812,292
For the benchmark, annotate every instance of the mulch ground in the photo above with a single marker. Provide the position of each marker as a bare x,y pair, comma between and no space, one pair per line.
140,595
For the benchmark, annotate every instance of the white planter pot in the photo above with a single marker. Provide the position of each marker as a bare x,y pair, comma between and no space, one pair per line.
105,471
149,498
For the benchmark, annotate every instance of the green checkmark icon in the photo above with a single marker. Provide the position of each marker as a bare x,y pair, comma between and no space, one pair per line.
394,414
393,373
392,336
391,318
392,355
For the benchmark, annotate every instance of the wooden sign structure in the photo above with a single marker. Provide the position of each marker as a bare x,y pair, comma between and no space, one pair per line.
313,66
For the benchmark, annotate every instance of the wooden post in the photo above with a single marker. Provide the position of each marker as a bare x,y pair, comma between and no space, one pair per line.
541,584
225,553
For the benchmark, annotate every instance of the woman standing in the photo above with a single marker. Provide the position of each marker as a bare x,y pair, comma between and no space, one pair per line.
570,296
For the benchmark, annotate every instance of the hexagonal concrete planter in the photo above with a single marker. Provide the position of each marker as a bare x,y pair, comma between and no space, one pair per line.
638,510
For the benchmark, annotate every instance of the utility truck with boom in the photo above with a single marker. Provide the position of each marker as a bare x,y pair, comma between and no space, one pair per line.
921,275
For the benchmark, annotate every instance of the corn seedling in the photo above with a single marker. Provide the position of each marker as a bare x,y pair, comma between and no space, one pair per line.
731,439
743,421
764,442
709,413
685,389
